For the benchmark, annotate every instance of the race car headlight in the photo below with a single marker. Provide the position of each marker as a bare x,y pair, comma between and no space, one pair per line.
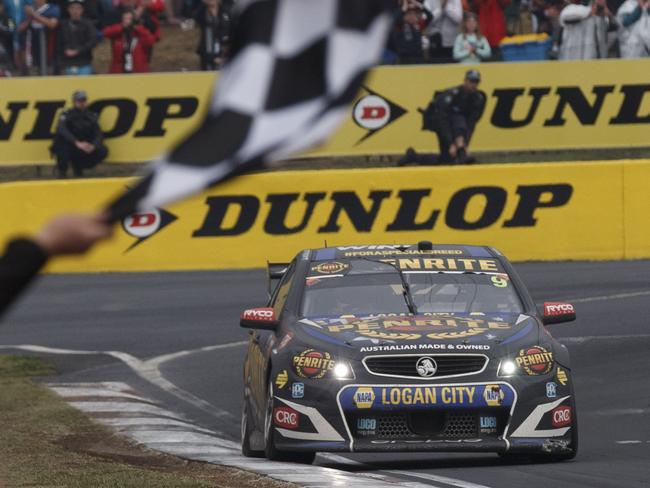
342,371
508,368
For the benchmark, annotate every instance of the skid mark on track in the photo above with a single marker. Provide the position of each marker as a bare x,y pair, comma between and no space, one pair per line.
619,337
140,419
149,370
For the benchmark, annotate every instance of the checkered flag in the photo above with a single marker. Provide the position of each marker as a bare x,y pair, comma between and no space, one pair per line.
297,66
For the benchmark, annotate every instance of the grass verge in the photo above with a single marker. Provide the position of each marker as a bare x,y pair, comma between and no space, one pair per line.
46,443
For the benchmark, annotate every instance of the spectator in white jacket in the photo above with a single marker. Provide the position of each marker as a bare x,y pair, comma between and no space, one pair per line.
471,46
447,18
585,30
634,28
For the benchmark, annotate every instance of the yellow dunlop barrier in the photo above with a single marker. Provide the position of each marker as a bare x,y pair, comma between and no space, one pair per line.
591,104
529,212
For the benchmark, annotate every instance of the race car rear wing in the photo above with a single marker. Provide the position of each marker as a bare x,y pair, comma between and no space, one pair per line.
275,272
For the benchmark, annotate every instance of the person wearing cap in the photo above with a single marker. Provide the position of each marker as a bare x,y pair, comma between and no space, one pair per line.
471,46
77,38
452,115
78,141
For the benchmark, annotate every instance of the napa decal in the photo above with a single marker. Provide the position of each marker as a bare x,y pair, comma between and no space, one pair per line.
417,397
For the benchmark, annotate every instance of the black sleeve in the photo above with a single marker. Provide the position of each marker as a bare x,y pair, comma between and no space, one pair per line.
98,136
63,131
475,116
22,260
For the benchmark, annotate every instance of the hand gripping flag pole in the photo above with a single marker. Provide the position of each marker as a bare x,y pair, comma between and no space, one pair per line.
298,64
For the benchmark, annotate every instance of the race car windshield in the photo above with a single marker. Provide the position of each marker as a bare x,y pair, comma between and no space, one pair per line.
381,291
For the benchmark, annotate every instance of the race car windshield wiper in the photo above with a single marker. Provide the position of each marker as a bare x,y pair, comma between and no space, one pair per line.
406,289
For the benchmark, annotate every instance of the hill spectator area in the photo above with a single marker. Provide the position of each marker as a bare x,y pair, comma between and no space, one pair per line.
176,51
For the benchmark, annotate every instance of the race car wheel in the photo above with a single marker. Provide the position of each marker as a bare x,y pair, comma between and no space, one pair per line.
246,449
270,450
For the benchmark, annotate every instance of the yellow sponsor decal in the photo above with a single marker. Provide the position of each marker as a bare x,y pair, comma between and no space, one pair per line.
493,395
535,360
432,395
281,379
364,397
562,377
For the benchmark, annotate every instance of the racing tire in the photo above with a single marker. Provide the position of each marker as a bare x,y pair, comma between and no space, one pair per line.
246,449
272,453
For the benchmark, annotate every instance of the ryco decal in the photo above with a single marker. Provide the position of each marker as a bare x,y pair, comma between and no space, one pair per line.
535,360
312,364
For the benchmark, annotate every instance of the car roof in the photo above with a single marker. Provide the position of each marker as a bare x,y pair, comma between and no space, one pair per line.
403,250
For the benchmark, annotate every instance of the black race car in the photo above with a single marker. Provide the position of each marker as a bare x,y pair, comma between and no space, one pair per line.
405,348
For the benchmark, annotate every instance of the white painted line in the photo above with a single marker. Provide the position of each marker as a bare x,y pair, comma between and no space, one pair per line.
118,407
617,296
582,339
148,370
629,442
127,423
439,479
167,437
69,392
620,411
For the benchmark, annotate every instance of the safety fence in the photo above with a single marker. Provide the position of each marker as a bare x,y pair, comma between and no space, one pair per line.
530,106
561,211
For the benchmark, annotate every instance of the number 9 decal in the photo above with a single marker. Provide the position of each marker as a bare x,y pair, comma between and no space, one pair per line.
499,282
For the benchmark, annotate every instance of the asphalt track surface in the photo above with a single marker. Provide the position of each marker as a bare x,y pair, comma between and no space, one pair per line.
149,315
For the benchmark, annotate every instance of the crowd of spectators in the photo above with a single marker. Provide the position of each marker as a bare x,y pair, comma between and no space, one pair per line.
472,31
57,37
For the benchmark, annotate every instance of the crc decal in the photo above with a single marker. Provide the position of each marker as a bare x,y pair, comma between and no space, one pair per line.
297,390
493,395
487,425
286,417
562,377
143,225
561,416
331,267
281,379
535,360
312,364
373,112
364,397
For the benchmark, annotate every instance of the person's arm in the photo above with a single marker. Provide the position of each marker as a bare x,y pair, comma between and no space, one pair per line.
629,18
98,136
483,49
435,6
475,116
147,39
113,31
24,257
460,48
454,11
573,14
91,39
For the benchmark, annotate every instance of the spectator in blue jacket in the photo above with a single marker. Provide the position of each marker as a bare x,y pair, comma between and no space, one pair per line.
39,27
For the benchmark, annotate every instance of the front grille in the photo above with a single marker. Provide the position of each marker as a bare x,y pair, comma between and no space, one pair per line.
450,424
404,366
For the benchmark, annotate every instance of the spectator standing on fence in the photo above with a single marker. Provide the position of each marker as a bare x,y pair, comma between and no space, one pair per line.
77,38
492,20
585,30
408,32
131,43
214,17
78,141
39,27
447,19
471,46
634,28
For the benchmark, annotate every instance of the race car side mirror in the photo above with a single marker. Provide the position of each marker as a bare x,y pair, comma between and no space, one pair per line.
558,312
259,318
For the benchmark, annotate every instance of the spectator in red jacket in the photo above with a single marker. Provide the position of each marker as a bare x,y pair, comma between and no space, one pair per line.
492,20
131,43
